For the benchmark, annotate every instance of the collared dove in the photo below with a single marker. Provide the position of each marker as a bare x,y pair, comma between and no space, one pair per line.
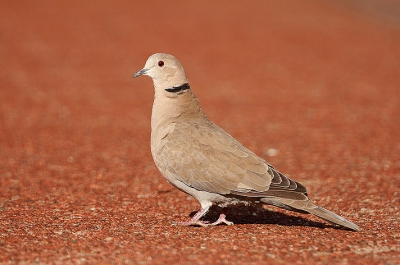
202,160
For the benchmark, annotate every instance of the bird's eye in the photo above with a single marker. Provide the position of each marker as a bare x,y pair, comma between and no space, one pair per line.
161,63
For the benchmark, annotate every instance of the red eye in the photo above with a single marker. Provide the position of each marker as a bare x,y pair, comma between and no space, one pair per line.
161,63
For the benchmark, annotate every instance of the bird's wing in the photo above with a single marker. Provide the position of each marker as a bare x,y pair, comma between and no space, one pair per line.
205,157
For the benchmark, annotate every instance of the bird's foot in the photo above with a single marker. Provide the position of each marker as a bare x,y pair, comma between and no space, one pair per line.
194,222
196,219
221,220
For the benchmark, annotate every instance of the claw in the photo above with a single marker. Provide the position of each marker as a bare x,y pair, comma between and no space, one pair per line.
195,221
221,220
198,222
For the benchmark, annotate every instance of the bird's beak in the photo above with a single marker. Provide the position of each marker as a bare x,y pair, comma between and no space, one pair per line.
141,72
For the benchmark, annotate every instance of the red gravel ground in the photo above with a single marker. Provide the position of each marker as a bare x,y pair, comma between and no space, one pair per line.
317,81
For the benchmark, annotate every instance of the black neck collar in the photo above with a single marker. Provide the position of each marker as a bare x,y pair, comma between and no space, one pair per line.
178,88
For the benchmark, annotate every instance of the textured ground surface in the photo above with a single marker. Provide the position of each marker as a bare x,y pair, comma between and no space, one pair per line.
318,82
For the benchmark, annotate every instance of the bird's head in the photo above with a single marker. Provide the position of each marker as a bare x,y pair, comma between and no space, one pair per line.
165,70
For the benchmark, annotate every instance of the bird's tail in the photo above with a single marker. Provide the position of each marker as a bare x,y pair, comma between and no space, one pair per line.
310,207
332,217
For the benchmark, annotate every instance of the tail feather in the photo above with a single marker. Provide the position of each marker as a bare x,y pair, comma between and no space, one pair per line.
310,207
333,218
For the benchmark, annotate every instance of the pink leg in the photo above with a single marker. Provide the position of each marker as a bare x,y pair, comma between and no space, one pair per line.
221,220
196,218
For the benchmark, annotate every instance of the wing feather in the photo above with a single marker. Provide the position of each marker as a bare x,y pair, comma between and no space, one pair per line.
205,157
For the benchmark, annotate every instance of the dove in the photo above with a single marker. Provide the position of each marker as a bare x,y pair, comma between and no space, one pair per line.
201,159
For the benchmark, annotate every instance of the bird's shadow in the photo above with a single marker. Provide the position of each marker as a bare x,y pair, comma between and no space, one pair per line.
241,214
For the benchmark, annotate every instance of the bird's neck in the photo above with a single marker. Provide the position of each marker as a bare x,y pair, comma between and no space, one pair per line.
176,106
169,110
